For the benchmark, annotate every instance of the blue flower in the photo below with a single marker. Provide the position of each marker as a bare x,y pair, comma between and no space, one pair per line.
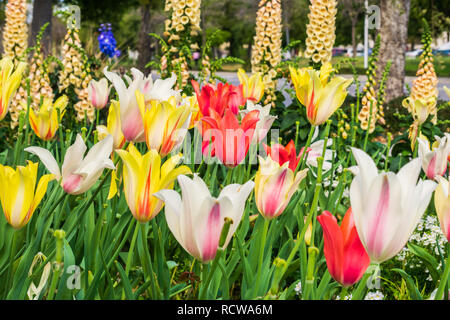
107,42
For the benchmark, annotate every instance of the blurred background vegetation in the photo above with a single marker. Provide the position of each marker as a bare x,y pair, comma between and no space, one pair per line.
132,20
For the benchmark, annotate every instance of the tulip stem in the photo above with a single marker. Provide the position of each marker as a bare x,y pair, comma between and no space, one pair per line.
9,278
146,261
130,254
303,156
262,245
343,293
443,282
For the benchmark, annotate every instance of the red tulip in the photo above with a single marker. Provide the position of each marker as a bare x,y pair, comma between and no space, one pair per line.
229,139
220,98
347,260
283,154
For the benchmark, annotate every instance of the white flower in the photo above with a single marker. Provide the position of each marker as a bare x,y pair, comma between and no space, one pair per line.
78,173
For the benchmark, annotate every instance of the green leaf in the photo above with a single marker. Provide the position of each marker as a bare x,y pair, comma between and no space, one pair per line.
410,285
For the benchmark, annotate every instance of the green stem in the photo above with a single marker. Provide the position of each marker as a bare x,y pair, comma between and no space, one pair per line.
9,278
262,245
443,282
366,139
147,263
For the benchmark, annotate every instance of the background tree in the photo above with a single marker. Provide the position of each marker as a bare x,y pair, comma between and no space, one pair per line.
353,10
394,32
42,13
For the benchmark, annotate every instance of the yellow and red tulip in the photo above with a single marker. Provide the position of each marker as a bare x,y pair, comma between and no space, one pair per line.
165,123
347,260
113,126
275,185
442,205
9,82
197,219
320,96
229,139
143,175
18,192
45,122
253,86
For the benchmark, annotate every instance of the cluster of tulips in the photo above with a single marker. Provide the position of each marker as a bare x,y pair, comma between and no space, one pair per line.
385,207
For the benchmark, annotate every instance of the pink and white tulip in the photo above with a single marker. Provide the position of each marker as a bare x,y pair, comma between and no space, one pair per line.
98,92
387,207
442,205
434,160
78,173
196,219
265,120
275,186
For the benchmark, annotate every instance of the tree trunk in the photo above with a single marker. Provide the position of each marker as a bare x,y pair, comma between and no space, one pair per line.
42,13
394,32
144,40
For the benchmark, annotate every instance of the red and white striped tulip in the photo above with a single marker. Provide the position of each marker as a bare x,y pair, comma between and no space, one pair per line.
442,205
78,173
274,186
434,160
98,92
196,219
387,207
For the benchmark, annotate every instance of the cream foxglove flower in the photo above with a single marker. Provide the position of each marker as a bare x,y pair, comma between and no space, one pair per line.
78,173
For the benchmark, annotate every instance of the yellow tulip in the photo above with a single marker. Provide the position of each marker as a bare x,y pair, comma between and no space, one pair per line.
113,126
321,96
165,123
45,122
18,195
9,82
419,109
143,175
252,87
442,205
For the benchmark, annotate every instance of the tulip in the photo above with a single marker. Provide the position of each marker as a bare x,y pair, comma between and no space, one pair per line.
45,122
236,98
165,124
78,173
98,92
387,207
18,192
113,126
9,82
230,139
418,108
320,96
265,120
285,154
434,161
130,114
218,99
347,260
196,219
274,186
143,175
442,205
253,86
